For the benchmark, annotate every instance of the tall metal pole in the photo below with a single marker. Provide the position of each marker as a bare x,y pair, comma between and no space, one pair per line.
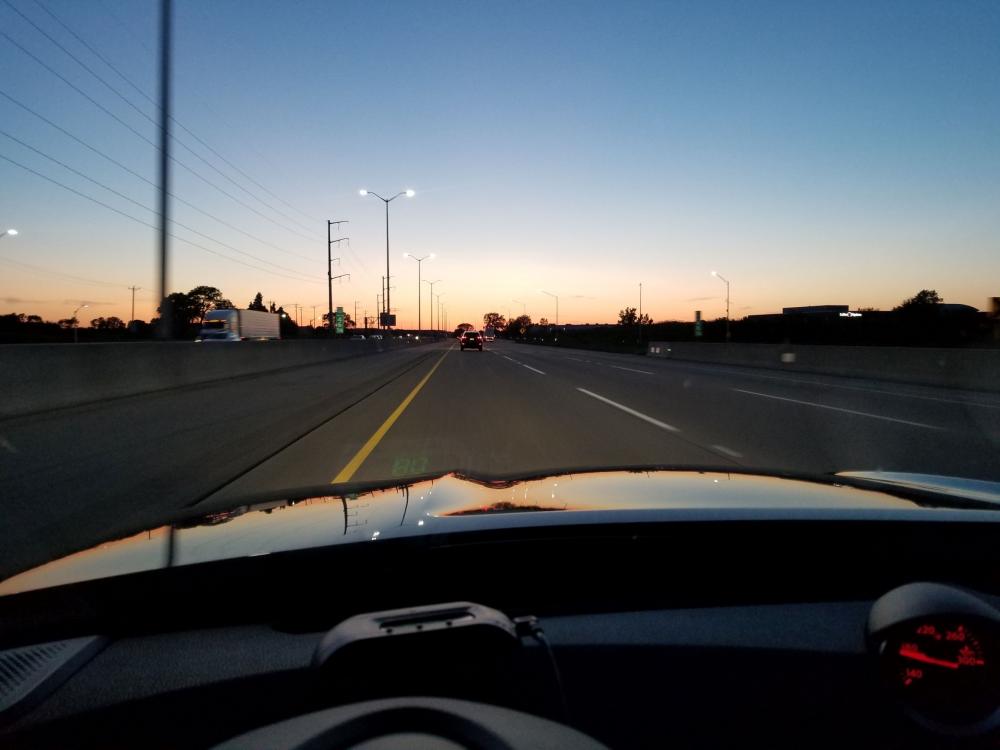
329,268
166,314
387,277
134,289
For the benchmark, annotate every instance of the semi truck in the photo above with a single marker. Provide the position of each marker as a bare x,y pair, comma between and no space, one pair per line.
239,325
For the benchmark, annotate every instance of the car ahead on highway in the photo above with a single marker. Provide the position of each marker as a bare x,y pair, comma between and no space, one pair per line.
358,337
471,340
243,617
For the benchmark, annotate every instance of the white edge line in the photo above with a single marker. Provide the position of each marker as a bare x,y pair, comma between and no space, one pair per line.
533,369
837,408
632,369
633,412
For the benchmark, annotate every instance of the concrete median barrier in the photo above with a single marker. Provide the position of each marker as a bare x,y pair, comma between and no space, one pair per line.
40,377
976,369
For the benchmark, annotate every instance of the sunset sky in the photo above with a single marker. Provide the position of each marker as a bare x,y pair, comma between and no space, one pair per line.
812,153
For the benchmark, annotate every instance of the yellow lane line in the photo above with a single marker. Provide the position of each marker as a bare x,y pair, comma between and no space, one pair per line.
354,464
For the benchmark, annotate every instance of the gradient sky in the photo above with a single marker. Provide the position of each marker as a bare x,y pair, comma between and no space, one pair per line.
812,152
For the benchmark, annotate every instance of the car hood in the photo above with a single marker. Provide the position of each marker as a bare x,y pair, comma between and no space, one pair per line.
453,503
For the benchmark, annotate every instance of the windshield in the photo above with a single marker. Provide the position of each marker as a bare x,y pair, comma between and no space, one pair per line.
721,236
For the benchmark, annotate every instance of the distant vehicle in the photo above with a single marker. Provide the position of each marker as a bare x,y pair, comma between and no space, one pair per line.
376,336
358,337
489,333
471,340
239,325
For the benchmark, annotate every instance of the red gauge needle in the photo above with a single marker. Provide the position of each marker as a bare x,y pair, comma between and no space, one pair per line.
917,656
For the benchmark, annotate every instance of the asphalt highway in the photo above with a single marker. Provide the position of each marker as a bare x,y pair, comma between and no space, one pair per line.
74,477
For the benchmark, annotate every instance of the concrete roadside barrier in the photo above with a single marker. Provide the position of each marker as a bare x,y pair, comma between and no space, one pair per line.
974,369
39,377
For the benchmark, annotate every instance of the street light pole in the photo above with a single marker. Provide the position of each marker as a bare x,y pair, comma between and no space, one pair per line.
556,297
720,278
419,284
387,201
76,324
430,300
11,232
134,290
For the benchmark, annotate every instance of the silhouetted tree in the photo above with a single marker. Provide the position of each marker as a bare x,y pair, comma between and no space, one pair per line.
205,298
922,300
493,320
67,322
258,303
34,319
224,304
465,327
627,317
543,321
108,324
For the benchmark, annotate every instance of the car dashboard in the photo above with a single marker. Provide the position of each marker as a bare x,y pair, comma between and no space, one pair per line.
786,632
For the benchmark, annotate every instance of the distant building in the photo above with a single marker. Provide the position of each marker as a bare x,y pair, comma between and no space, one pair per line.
815,310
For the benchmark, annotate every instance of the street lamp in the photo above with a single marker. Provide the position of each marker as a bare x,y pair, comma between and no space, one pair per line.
556,297
387,201
76,324
439,296
431,300
11,232
726,281
419,284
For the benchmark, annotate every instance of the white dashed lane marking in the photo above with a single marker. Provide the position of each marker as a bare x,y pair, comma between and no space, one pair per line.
837,408
633,412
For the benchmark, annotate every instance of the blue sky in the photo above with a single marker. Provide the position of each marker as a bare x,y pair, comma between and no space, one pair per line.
812,152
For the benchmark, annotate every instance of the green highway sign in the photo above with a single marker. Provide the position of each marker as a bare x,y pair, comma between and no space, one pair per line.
339,320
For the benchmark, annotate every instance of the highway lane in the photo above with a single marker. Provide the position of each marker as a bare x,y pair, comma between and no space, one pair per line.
71,478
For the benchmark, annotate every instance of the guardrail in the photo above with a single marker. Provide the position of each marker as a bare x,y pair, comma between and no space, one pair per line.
40,377
976,369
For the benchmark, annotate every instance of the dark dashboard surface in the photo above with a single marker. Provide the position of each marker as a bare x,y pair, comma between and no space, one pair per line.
685,634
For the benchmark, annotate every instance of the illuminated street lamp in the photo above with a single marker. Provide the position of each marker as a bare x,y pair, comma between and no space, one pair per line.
726,281
431,301
420,261
556,297
11,232
76,323
387,201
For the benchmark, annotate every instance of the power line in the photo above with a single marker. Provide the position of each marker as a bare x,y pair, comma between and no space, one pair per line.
125,99
132,172
142,206
39,269
144,138
147,224
201,100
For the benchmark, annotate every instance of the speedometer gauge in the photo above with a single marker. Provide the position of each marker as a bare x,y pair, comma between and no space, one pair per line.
944,669
937,648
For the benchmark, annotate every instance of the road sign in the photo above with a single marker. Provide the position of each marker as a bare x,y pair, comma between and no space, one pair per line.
523,330
339,320
387,319
697,324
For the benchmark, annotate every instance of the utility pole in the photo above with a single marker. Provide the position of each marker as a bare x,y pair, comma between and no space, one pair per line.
134,289
166,312
314,316
329,266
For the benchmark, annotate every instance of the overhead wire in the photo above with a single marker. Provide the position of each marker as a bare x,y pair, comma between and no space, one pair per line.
178,123
143,137
132,172
127,101
147,224
142,206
